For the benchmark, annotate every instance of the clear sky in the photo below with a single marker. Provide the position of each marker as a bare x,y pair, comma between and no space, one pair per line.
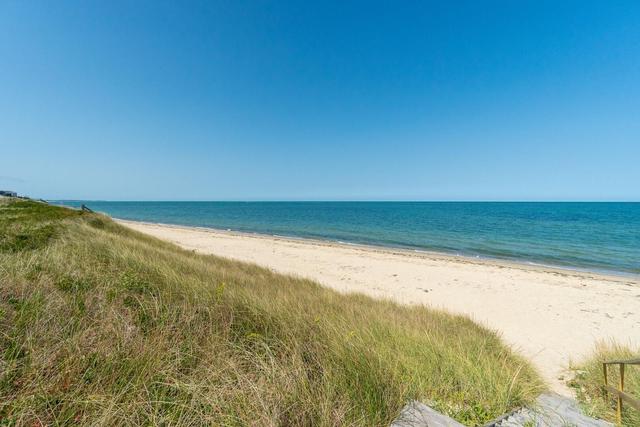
320,100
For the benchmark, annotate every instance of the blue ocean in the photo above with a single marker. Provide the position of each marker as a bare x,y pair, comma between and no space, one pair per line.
603,237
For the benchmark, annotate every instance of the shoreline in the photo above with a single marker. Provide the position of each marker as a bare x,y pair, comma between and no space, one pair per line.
551,316
613,276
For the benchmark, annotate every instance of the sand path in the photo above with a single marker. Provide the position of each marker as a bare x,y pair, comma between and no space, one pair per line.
551,316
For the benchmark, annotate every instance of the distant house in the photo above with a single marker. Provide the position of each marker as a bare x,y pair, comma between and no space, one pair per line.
8,193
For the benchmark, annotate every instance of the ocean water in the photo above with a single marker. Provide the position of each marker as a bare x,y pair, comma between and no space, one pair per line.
601,237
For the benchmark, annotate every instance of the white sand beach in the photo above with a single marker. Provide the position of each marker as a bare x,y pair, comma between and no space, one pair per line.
551,316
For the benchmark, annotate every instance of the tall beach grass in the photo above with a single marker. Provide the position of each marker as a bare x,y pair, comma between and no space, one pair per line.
589,380
102,325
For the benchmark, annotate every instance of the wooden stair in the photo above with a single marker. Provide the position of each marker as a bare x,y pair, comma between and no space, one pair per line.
550,410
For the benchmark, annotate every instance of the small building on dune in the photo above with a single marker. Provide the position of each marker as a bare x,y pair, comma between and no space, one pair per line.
6,193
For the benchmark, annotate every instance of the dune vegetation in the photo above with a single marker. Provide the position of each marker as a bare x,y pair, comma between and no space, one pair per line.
589,379
102,325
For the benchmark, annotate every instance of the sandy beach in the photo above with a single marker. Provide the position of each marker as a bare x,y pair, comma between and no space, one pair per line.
551,316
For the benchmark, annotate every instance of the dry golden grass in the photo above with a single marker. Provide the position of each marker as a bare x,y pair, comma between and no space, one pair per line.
104,326
589,380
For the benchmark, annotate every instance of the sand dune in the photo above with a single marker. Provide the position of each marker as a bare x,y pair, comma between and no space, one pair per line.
552,316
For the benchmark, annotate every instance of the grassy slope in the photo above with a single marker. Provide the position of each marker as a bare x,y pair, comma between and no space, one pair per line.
590,378
102,325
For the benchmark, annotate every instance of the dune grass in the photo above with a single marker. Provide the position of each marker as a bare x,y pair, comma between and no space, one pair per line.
102,325
589,379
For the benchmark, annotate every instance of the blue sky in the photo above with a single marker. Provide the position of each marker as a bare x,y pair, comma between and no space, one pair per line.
326,100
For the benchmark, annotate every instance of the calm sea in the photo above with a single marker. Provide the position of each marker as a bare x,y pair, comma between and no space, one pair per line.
591,236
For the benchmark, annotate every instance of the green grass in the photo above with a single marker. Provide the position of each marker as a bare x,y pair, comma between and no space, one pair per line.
589,380
101,325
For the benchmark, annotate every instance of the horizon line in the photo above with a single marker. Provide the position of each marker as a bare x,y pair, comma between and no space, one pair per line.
340,201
